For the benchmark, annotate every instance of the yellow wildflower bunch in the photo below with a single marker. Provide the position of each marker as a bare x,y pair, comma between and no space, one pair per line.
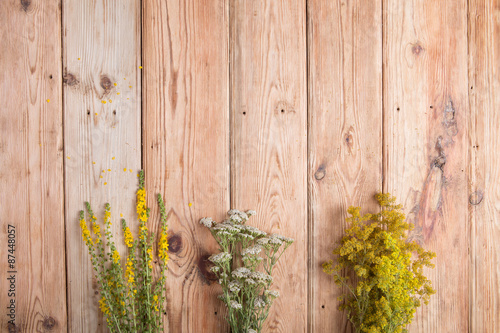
131,301
389,284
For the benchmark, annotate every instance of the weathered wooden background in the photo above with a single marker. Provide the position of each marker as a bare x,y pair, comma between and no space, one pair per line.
294,108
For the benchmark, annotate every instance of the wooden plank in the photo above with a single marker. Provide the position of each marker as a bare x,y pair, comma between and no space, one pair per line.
425,148
31,167
484,164
101,56
269,139
186,146
345,135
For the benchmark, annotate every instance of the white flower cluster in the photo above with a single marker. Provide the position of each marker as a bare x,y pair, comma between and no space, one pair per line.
241,273
207,222
272,294
254,231
259,302
252,250
234,286
274,240
235,305
220,258
260,277
251,331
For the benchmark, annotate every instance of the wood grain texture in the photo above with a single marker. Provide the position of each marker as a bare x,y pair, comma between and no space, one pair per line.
186,147
425,148
345,135
101,58
484,164
269,139
31,166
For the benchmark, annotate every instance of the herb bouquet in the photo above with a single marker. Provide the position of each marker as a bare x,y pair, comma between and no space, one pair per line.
389,283
246,290
130,302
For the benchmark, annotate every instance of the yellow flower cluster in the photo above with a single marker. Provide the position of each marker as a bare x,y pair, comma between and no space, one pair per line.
129,272
129,239
85,232
142,211
163,246
103,306
389,284
150,257
116,257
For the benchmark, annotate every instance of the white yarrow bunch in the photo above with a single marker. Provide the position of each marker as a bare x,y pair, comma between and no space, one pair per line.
246,290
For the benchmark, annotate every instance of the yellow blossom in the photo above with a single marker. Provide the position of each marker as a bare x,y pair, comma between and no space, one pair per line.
163,247
116,257
129,239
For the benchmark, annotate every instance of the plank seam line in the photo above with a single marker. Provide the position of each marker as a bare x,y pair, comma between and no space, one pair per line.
66,266
310,224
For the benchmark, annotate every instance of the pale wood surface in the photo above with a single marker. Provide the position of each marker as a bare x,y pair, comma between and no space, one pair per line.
269,139
484,164
425,144
242,109
31,165
101,47
345,135
186,147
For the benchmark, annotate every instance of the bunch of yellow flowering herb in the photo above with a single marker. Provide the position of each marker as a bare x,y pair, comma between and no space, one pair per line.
389,284
244,249
131,301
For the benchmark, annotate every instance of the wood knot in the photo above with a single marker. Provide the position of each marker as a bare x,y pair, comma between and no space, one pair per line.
476,198
70,79
449,121
204,266
320,173
49,323
106,84
175,244
440,160
25,5
416,48
283,107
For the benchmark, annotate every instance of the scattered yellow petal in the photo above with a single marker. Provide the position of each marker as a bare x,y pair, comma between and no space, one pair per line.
79,58
121,215
125,169
113,158
103,102
140,67
100,176
130,86
96,113
110,101
130,170
190,204
109,169
103,170
93,162
105,183
128,98
48,101
115,84
118,93
69,157
124,78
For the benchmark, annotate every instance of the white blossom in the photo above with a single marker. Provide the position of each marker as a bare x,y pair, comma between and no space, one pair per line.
220,258
251,212
235,305
259,302
234,286
260,277
207,222
253,250
241,272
